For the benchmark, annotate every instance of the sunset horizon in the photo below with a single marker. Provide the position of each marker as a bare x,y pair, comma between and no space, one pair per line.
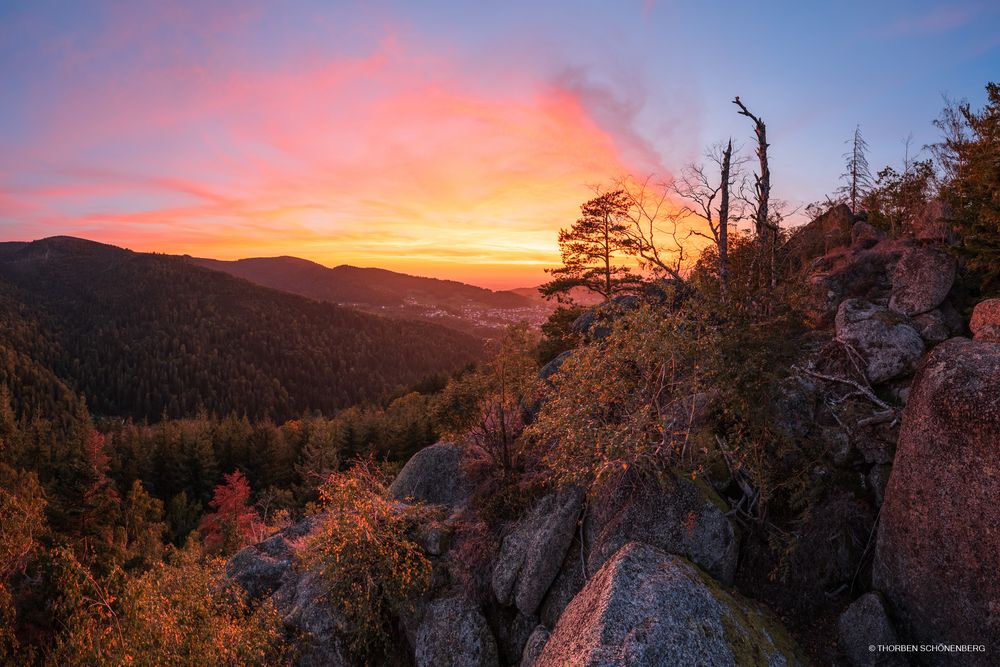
379,136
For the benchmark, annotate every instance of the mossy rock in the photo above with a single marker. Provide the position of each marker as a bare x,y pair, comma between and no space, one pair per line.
647,607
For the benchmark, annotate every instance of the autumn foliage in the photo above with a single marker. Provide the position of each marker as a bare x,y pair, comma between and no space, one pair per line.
233,522
184,612
363,551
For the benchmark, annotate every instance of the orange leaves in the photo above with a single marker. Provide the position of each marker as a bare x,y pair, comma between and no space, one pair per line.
364,553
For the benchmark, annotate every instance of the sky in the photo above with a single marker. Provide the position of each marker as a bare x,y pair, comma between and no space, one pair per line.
450,140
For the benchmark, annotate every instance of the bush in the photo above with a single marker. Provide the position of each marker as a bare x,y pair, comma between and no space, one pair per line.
645,396
181,613
619,403
362,549
488,406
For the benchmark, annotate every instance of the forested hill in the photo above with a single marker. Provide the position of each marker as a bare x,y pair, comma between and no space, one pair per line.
466,308
355,285
147,335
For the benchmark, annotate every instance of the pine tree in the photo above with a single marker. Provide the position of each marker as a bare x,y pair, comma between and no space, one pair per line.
589,249
142,518
857,173
320,456
182,518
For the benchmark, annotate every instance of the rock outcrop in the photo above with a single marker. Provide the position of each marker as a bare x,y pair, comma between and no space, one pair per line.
454,634
532,552
260,568
932,326
921,281
864,624
857,272
677,515
886,341
863,235
985,323
551,368
533,649
434,476
647,607
596,323
938,551
817,237
568,582
932,223
266,569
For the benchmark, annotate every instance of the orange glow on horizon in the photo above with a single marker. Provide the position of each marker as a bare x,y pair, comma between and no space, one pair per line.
366,161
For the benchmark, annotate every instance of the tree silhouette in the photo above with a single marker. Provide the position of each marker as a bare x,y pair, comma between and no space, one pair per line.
589,248
857,175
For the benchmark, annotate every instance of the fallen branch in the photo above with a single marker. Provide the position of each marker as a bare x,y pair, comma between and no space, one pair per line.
879,418
863,390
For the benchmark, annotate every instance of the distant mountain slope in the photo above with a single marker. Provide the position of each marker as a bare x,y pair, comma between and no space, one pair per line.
354,285
145,335
457,305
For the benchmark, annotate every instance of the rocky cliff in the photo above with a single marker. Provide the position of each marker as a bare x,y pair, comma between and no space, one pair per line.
905,411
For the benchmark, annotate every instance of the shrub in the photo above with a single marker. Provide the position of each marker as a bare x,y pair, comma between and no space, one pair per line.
488,406
647,394
362,549
619,403
181,613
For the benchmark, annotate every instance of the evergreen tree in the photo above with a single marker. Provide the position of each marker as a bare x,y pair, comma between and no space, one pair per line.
142,518
589,250
182,517
970,153
320,456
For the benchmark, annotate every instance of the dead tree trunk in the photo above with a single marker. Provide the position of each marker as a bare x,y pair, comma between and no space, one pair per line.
724,219
766,234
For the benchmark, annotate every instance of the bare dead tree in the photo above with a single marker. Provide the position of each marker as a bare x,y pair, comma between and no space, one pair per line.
857,175
907,158
656,235
706,198
722,237
762,181
764,229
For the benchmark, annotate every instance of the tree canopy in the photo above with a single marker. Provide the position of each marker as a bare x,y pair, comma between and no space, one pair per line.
591,249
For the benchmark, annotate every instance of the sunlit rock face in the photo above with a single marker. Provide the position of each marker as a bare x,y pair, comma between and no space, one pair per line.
434,476
647,607
938,552
863,624
454,633
532,552
985,324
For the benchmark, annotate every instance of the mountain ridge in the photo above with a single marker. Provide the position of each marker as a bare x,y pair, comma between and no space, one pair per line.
468,308
145,335
353,275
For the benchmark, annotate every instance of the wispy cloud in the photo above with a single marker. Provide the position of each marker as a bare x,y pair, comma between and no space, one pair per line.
933,21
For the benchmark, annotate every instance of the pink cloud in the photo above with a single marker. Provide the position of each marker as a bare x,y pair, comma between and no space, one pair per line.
367,157
934,21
